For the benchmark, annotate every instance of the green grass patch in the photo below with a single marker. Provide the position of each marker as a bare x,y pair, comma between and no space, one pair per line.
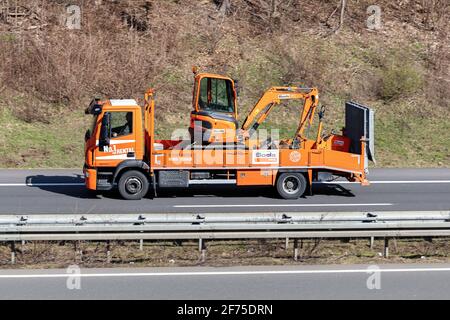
59,144
412,141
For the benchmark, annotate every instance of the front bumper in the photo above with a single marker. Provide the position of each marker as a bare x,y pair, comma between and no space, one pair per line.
90,178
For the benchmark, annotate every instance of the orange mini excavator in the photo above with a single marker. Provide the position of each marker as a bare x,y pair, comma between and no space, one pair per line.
215,116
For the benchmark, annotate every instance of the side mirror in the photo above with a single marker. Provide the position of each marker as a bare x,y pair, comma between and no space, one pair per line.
105,131
237,87
87,135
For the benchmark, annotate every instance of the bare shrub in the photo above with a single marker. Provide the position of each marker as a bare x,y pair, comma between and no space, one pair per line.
33,110
105,57
126,46
267,15
439,68
400,77
425,14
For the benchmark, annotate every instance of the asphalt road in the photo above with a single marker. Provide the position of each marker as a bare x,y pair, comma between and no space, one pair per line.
62,191
265,283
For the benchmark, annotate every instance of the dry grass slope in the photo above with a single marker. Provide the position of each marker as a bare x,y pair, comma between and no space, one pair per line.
49,73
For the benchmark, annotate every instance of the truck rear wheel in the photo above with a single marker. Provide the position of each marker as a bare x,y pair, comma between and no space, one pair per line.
291,185
133,185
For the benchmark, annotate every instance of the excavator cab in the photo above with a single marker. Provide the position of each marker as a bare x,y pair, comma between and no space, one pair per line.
214,114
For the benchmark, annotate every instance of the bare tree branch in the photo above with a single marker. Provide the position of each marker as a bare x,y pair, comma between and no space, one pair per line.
341,19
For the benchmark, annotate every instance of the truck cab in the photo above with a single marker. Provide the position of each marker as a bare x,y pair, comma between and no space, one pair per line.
114,139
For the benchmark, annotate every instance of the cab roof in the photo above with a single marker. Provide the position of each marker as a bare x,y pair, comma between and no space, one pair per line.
212,75
123,102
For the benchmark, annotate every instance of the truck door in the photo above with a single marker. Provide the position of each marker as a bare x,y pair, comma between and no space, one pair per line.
120,136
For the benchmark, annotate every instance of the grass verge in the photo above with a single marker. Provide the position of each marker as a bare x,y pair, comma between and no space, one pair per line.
224,253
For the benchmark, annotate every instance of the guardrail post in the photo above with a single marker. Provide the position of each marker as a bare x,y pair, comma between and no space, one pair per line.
295,249
108,252
372,242
141,244
286,244
386,248
202,249
78,251
75,248
13,252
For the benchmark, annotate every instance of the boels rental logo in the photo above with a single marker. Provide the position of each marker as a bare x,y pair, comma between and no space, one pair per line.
265,157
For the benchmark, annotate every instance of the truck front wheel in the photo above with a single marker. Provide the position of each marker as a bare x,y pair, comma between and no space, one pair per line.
291,185
133,185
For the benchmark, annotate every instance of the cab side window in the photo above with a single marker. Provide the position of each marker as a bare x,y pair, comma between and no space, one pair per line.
121,124
216,95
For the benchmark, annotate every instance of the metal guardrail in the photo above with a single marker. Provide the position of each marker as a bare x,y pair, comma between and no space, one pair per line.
178,226
259,217
224,226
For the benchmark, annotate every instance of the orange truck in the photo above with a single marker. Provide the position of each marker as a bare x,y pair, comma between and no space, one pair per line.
122,151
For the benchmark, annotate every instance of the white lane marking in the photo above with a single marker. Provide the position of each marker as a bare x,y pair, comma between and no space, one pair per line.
386,182
219,273
41,184
62,184
282,205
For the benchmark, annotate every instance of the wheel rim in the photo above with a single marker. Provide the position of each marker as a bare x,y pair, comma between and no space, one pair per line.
133,185
291,184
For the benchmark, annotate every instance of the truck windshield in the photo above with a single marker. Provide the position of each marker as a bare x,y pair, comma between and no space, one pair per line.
91,129
216,95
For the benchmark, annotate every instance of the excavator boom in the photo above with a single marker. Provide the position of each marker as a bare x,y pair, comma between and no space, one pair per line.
275,96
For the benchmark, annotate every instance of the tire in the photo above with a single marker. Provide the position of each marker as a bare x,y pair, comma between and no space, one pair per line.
133,185
291,185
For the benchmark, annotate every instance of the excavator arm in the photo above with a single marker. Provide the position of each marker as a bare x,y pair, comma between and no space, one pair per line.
275,96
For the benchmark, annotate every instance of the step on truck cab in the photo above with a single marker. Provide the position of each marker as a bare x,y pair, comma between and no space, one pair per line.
121,150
